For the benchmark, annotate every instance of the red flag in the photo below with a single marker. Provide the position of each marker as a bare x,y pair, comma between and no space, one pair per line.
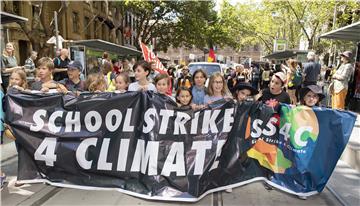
149,56
211,57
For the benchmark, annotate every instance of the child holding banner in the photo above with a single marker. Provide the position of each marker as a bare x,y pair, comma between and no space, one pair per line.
45,83
95,82
311,95
18,80
243,91
142,71
198,90
122,81
217,89
183,97
162,84
275,94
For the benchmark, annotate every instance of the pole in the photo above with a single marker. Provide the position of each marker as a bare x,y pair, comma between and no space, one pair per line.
332,41
56,30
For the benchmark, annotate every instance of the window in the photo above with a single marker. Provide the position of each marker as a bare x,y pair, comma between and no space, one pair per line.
75,20
87,26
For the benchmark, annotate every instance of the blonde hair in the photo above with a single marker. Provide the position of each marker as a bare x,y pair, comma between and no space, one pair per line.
47,62
224,91
93,81
5,54
22,75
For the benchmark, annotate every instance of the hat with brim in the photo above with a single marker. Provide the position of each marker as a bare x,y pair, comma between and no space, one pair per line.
314,88
244,85
347,54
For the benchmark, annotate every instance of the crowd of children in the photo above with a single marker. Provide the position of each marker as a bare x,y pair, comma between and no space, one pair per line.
195,95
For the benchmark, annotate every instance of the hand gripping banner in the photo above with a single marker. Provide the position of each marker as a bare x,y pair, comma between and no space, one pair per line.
142,144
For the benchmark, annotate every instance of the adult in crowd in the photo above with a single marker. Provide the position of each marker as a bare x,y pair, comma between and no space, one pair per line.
153,72
265,76
255,76
116,66
341,80
185,78
311,70
171,74
293,80
105,58
30,64
73,82
126,65
61,64
8,64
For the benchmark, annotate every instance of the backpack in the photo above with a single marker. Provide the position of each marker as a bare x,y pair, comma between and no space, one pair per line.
296,78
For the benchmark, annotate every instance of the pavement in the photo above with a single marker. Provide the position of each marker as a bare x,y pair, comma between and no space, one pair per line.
343,188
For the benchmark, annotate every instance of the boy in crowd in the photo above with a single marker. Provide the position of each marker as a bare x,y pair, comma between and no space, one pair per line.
73,82
45,83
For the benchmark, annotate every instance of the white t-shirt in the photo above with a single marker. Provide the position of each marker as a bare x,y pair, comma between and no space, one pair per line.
136,87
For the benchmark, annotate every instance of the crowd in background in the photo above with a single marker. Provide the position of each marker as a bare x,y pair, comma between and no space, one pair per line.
266,82
297,83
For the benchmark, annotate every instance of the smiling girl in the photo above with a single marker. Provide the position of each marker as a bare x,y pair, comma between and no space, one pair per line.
217,89
142,70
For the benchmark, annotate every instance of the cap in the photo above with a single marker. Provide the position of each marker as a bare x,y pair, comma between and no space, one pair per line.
281,76
347,54
75,65
314,88
245,85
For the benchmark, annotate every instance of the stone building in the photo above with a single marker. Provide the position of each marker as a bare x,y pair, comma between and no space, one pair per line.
77,20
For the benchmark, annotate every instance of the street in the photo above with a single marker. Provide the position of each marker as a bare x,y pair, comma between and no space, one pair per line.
42,194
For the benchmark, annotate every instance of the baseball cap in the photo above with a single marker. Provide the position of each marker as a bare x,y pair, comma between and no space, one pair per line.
75,65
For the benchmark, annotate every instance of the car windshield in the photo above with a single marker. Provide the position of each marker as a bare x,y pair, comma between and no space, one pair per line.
209,69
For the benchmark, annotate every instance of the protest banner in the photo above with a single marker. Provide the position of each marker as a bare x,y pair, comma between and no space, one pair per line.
142,144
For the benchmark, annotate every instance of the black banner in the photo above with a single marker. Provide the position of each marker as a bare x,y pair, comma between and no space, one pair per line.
142,144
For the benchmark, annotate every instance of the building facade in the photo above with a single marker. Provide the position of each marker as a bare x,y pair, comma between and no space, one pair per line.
77,20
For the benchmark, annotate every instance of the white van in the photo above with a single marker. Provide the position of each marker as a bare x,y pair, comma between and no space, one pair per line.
208,67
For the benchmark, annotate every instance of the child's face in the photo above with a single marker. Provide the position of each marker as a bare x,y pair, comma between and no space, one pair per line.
275,85
162,86
311,99
120,83
73,73
199,79
217,85
140,73
15,79
44,72
184,97
243,94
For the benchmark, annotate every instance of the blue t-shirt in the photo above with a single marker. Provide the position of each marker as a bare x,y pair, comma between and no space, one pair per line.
198,95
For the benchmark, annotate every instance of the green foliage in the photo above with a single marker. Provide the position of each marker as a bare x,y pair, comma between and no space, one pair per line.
293,20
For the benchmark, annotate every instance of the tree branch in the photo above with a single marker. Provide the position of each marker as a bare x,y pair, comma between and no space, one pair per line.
298,20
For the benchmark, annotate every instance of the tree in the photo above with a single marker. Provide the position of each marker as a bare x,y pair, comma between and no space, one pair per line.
292,20
176,23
